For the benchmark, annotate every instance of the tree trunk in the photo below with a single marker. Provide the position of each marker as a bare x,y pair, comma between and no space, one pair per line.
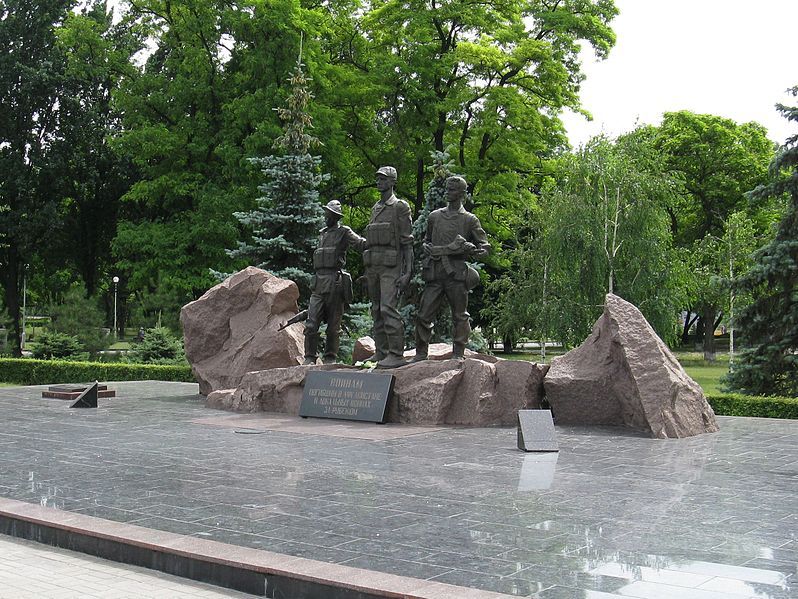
11,287
507,344
688,323
419,202
709,333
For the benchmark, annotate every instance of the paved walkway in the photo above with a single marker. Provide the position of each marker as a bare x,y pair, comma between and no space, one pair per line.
612,515
30,570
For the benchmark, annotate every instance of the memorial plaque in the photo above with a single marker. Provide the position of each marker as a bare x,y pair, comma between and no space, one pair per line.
536,431
346,395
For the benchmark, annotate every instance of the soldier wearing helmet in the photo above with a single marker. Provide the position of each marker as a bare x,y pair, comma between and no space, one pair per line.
453,236
388,259
332,285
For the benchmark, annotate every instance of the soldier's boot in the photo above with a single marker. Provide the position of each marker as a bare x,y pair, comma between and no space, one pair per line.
395,357
331,348
391,361
423,335
311,348
461,332
381,344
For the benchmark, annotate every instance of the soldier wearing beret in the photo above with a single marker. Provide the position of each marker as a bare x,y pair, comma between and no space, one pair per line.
453,236
332,285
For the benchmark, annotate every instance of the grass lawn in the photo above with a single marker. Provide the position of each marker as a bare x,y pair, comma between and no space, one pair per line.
119,345
708,376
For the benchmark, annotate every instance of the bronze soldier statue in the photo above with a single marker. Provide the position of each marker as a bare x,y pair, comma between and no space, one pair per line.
453,236
388,259
332,285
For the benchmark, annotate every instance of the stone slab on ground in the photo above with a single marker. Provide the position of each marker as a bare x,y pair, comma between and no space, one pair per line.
72,392
233,328
469,392
625,375
617,513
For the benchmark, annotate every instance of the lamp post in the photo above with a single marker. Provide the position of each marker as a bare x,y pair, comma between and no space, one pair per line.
116,283
24,305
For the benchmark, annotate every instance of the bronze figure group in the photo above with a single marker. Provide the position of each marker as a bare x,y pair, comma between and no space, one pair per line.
453,237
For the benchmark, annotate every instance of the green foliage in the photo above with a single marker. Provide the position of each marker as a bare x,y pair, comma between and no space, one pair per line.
716,162
54,345
80,317
158,347
770,323
730,404
34,152
487,79
285,225
601,228
357,323
25,371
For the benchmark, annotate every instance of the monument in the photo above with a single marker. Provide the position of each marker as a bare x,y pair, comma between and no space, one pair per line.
388,259
453,236
332,285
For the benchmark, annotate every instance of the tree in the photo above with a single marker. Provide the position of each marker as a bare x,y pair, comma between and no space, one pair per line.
80,317
201,104
601,228
288,216
717,161
98,55
31,84
770,323
487,78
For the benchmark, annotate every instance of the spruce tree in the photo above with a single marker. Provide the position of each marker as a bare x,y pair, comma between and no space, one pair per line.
285,224
769,366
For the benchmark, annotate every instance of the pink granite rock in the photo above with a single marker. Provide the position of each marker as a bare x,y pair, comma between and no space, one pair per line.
624,375
364,348
232,329
470,392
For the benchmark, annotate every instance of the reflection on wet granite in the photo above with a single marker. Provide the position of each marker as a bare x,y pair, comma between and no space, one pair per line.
612,514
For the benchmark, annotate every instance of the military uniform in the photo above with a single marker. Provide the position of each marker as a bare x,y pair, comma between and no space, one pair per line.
388,235
451,236
332,290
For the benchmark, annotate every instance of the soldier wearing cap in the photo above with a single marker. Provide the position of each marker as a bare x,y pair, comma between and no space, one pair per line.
453,236
332,285
388,259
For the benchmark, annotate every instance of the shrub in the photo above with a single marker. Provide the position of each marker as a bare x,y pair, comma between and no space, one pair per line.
80,317
159,346
735,404
53,345
26,371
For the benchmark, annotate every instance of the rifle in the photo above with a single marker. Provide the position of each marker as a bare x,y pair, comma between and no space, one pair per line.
294,319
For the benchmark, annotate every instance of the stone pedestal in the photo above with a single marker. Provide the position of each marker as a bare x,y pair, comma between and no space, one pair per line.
469,392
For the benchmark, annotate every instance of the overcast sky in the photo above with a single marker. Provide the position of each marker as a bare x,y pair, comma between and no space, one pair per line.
731,58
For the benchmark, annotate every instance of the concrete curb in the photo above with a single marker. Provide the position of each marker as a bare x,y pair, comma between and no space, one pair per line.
253,571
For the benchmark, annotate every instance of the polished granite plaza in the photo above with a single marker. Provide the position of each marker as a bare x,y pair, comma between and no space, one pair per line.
613,514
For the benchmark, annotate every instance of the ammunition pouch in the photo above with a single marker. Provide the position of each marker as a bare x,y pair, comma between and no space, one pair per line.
380,234
381,257
324,258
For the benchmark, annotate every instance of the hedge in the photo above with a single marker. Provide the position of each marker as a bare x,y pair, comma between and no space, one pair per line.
735,404
27,371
